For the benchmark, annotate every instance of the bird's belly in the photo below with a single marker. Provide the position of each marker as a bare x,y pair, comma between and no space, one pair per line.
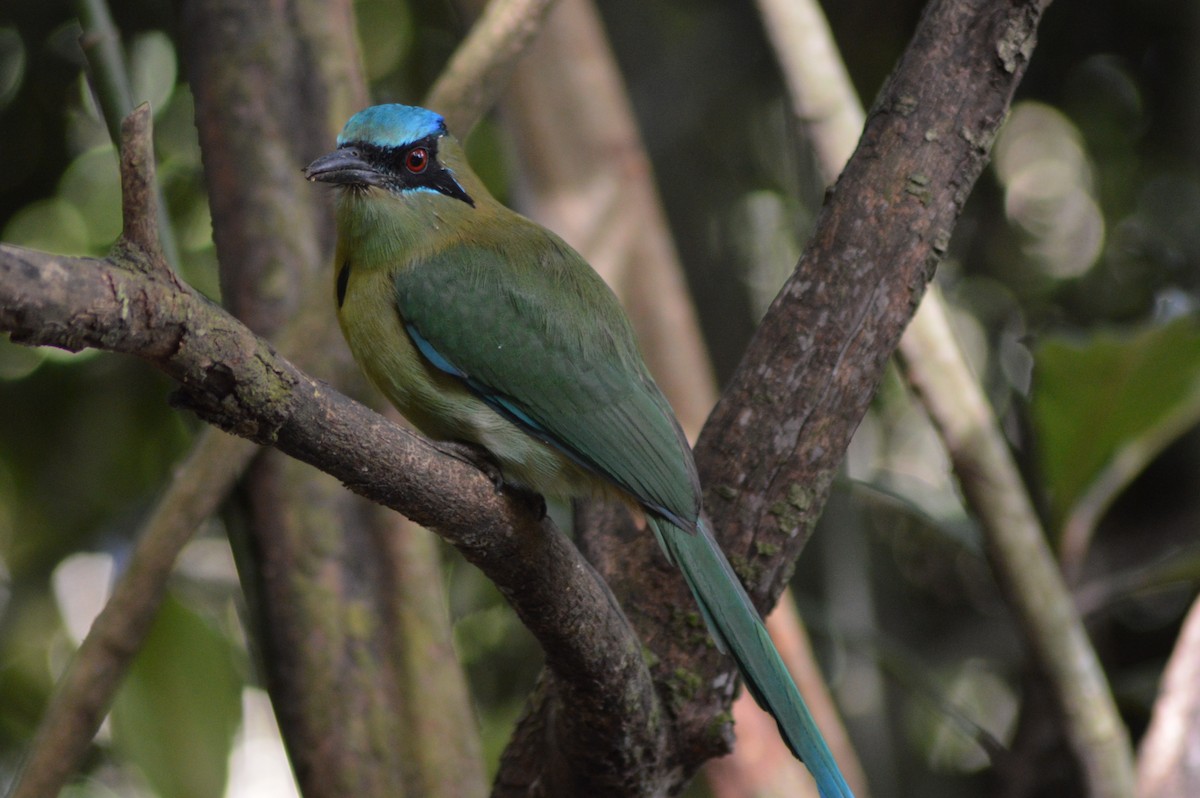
441,407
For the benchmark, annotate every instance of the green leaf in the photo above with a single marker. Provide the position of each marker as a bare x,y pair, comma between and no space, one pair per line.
176,714
1103,409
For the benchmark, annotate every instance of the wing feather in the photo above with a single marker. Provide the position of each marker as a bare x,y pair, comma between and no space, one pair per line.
544,342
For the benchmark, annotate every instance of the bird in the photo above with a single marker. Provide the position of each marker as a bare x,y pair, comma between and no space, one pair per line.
486,330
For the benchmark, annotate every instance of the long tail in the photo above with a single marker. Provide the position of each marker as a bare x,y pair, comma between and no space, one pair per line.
738,630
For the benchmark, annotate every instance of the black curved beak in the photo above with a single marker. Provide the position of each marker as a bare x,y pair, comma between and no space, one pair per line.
344,166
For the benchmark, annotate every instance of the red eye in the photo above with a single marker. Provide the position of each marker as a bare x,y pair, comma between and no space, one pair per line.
417,160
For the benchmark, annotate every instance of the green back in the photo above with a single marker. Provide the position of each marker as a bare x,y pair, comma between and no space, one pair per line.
533,330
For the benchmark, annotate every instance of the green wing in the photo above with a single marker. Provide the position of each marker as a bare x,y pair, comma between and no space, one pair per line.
535,333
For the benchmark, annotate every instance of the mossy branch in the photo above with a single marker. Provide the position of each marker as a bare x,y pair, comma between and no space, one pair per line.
825,103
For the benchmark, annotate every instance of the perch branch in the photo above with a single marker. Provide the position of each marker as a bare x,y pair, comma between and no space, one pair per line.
238,382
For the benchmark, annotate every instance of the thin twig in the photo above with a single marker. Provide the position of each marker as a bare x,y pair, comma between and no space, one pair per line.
1018,550
140,203
1127,462
480,67
109,75
101,44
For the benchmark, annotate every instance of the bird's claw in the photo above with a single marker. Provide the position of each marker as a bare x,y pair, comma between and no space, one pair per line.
475,456
530,498
482,459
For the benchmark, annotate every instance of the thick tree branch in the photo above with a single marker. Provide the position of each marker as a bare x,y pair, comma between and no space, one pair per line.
772,446
827,106
816,360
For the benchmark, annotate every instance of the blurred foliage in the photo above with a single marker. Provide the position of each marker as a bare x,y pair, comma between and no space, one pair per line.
1100,439
190,667
1073,276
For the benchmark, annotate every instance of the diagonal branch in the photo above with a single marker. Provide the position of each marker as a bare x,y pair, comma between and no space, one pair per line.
827,106
773,444
480,67
775,441
84,694
237,381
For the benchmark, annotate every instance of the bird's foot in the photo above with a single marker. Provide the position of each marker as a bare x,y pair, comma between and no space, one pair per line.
530,498
476,456
482,459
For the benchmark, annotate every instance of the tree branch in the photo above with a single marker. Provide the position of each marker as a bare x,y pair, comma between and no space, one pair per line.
1168,766
773,444
1019,553
108,75
827,106
237,381
480,67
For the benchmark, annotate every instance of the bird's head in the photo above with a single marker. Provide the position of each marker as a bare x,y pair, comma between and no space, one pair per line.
391,147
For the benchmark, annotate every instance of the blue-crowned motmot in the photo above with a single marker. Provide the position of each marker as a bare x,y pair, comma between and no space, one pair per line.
484,328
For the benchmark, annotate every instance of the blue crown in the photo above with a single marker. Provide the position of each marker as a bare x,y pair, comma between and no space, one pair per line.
392,125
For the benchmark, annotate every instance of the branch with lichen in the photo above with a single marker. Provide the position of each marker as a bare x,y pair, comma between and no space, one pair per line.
825,103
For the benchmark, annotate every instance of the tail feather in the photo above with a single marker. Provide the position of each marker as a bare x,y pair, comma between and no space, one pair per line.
738,630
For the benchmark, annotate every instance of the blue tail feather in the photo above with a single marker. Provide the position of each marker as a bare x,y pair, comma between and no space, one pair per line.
738,629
